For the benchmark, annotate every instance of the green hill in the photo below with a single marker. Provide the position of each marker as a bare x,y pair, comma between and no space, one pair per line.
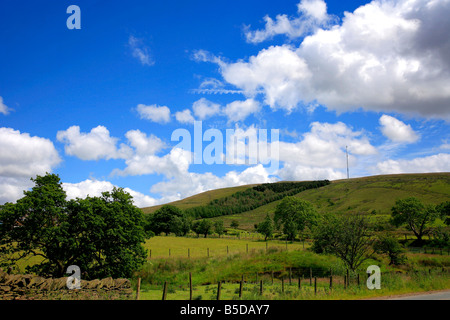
370,195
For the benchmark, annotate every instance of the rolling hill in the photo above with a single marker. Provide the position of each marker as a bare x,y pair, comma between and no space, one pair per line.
369,195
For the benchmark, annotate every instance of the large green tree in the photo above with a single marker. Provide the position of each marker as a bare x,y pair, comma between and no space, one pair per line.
102,235
414,215
293,215
167,219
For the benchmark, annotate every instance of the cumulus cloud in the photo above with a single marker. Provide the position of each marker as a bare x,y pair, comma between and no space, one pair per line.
321,154
140,51
312,14
94,188
159,114
3,107
396,130
95,145
184,116
204,108
239,110
385,56
23,157
434,163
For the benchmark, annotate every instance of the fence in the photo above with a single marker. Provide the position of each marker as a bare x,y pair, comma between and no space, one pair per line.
316,280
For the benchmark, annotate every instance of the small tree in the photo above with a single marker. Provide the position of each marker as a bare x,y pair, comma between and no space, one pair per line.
293,215
203,227
219,228
387,244
266,227
166,219
443,210
234,224
413,214
347,237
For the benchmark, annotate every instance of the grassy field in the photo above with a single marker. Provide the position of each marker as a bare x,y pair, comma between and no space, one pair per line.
180,247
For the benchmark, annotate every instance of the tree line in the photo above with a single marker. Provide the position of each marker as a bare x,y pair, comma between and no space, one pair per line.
252,198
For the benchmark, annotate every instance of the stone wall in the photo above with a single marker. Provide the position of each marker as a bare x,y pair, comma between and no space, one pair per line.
31,287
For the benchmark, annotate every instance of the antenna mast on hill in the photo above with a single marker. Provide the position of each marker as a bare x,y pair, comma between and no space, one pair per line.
346,152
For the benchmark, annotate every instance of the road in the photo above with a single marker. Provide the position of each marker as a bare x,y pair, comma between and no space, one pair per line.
442,295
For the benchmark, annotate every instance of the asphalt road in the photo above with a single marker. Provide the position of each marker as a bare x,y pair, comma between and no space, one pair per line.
442,295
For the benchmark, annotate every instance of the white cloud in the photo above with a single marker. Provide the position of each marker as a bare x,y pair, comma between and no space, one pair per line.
312,14
3,107
94,188
190,183
184,116
396,130
278,71
435,163
140,51
160,114
95,145
142,144
23,157
239,110
204,108
389,56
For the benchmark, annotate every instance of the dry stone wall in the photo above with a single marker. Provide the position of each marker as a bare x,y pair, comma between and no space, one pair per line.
31,287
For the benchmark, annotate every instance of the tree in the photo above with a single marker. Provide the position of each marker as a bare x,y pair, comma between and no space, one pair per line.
443,210
219,228
412,213
102,235
266,227
234,224
387,244
166,219
293,215
203,227
347,237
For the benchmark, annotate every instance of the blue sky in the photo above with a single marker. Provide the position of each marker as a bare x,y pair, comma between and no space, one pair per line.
98,105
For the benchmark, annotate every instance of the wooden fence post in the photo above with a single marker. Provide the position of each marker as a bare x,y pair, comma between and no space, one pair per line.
310,276
331,282
272,277
282,284
219,289
138,289
189,253
240,286
315,285
299,283
164,291
261,288
190,285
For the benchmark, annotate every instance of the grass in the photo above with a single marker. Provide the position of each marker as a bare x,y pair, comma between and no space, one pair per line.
199,247
373,195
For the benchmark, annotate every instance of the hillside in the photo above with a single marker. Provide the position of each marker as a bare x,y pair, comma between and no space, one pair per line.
371,195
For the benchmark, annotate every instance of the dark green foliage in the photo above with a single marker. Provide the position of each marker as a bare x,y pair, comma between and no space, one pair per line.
252,198
293,215
443,210
413,214
234,224
202,227
387,244
168,219
266,227
102,235
347,237
219,227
